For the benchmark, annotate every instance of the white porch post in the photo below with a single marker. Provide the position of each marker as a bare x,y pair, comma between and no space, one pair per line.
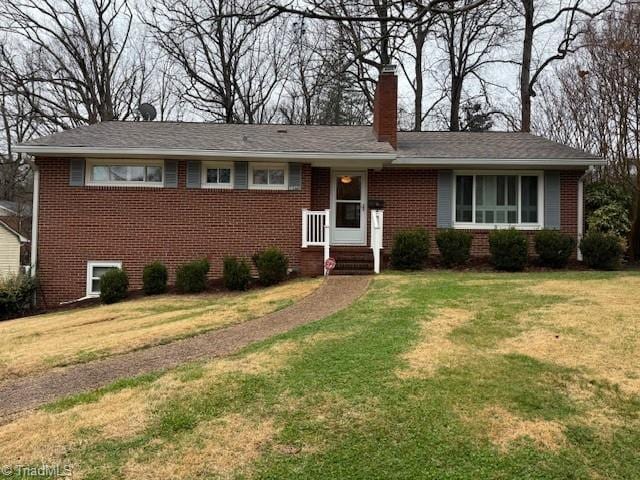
376,237
327,237
304,228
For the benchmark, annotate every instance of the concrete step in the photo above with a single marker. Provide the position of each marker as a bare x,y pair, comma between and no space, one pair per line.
340,265
353,258
352,272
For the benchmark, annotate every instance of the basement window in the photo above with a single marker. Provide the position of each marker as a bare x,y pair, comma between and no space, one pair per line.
95,270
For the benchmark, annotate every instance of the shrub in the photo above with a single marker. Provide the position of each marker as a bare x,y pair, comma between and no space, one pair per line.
608,208
599,194
602,250
271,265
509,249
554,248
192,277
113,285
612,218
454,246
410,249
16,295
154,278
235,274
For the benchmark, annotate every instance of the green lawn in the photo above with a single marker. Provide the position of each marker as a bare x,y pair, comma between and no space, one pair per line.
431,375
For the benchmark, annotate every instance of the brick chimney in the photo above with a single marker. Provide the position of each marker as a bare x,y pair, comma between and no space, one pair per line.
385,106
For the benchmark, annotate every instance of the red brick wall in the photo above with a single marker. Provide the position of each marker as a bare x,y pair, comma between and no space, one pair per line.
569,201
312,261
320,188
137,225
410,197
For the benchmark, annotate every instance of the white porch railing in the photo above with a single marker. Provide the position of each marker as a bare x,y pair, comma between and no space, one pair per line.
376,237
316,230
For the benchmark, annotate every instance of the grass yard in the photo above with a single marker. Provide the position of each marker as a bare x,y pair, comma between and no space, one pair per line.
433,375
36,344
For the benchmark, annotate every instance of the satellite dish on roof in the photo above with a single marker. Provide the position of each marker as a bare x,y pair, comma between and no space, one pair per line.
147,112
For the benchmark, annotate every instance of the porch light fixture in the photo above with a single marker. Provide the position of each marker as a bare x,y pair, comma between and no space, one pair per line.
345,179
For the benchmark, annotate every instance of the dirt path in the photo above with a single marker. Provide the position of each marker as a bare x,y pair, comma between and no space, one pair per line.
30,392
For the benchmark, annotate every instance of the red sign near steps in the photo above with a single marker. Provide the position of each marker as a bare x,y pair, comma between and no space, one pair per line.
330,264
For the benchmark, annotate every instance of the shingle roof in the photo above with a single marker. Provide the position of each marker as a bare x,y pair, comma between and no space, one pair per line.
212,136
216,139
483,145
8,208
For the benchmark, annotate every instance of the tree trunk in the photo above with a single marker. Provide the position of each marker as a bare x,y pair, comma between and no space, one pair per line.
525,73
382,11
456,94
419,90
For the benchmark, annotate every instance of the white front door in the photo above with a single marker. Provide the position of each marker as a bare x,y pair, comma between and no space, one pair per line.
348,207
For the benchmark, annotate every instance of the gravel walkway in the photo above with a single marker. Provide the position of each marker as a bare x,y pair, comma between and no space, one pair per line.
33,391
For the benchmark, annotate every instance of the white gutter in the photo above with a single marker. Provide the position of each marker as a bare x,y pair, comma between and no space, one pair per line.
34,219
580,214
182,153
490,162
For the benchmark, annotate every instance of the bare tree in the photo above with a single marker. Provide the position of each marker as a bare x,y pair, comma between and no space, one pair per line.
571,18
595,103
231,66
365,46
71,59
469,40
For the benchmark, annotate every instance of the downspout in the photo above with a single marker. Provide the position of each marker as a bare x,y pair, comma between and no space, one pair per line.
34,220
581,210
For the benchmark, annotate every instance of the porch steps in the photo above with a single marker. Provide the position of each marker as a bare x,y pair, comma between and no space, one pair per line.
352,260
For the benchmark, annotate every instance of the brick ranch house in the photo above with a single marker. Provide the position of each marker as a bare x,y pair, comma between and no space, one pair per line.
124,194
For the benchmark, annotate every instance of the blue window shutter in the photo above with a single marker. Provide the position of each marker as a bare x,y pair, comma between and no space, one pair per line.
552,200
445,199
76,172
295,176
171,173
241,175
193,174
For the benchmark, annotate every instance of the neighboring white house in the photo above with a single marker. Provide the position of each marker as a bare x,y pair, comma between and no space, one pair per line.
10,242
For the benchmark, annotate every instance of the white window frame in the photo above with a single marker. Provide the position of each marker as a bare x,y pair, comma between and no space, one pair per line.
93,264
208,165
94,162
262,166
492,226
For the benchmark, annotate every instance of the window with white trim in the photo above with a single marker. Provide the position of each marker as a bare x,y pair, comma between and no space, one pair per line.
217,175
496,199
274,176
95,270
125,172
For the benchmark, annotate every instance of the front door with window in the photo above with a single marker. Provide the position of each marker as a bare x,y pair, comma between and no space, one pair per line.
348,208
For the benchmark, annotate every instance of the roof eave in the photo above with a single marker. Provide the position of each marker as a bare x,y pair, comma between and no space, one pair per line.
514,162
21,238
48,150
